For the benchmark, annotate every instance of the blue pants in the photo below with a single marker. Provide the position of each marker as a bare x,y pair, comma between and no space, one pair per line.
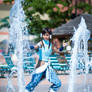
36,78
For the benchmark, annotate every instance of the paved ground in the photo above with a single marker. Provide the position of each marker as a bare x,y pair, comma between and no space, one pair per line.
80,84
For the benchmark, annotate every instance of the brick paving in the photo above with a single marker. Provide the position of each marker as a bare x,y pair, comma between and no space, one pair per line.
80,85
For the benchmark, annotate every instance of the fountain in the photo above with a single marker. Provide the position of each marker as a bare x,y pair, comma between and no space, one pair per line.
17,31
80,39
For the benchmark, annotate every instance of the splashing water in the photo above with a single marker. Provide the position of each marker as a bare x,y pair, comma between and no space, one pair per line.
10,87
18,30
80,39
17,16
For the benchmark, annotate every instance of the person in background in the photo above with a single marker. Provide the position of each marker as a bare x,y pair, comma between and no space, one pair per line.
58,46
59,49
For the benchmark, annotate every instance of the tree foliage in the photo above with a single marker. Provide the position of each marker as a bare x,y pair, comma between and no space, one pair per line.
85,7
50,13
57,13
8,1
46,13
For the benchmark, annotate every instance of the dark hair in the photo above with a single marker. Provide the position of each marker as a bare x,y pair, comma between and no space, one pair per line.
46,30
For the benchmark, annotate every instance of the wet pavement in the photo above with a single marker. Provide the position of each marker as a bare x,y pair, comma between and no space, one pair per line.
81,85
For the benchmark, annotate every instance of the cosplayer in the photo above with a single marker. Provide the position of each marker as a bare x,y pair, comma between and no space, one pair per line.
43,69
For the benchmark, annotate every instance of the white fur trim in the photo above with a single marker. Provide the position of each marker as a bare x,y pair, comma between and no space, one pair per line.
42,68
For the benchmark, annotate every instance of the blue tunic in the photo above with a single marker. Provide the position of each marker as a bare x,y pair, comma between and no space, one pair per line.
45,51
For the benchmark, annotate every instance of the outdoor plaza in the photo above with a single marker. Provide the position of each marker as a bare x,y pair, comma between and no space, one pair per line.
80,86
69,33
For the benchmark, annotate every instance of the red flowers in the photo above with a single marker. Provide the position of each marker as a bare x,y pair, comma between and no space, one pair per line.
61,8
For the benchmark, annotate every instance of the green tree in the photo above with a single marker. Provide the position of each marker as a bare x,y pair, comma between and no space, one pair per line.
85,7
8,1
46,13
50,13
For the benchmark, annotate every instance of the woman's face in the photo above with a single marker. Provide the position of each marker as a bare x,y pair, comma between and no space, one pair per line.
56,43
46,36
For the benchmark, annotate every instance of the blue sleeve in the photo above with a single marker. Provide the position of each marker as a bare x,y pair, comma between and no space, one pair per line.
31,47
60,49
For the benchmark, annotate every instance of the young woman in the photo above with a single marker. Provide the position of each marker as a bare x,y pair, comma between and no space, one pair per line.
43,69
